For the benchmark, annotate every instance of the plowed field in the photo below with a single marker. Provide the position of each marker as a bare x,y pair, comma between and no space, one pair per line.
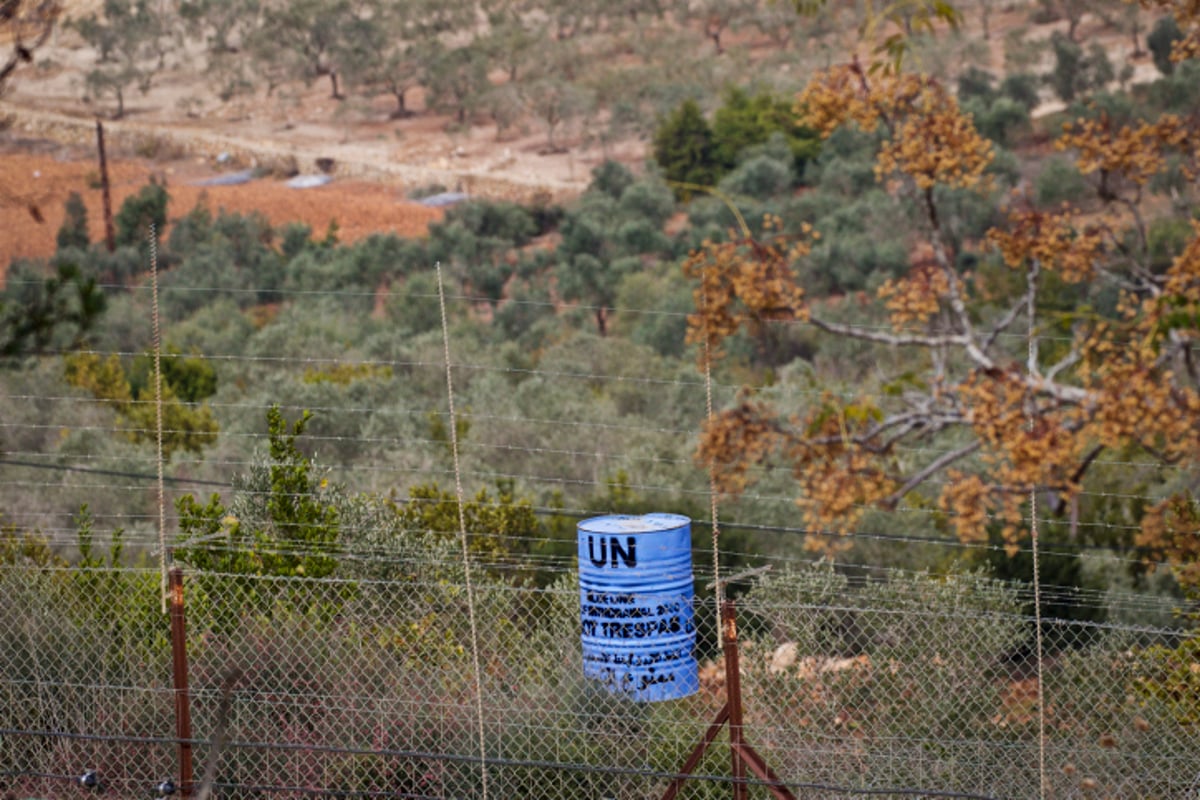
33,188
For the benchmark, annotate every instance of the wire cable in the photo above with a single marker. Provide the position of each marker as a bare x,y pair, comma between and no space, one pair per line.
462,528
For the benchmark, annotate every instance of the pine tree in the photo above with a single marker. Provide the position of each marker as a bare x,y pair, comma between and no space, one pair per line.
74,230
683,148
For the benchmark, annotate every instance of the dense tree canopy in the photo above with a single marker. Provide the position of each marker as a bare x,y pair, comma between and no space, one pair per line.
994,413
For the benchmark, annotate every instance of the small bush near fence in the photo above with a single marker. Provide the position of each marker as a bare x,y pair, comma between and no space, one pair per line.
362,685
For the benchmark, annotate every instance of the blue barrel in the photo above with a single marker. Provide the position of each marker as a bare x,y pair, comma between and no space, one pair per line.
636,605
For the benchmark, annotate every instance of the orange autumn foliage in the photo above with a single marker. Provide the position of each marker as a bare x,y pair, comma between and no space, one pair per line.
995,422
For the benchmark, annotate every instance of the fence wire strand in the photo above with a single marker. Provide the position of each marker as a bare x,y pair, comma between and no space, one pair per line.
415,669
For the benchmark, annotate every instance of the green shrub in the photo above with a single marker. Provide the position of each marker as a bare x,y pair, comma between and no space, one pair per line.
611,178
140,211
762,175
976,83
1178,92
1076,72
685,150
283,521
1022,88
1161,40
1059,182
745,120
1000,120
74,230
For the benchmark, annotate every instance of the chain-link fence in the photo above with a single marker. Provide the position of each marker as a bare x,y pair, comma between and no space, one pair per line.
906,685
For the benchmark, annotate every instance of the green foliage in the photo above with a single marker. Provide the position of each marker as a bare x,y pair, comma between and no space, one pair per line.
1059,182
294,239
1169,677
1060,566
1178,92
283,521
223,23
413,306
494,219
301,40
131,39
497,526
1076,72
976,83
191,378
439,431
846,166
140,211
352,273
647,201
479,240
232,255
184,427
119,607
604,240
74,230
882,649
1165,240
27,548
193,230
611,178
998,118
765,174
528,304
39,314
854,253
657,309
689,151
346,374
455,79
1160,41
1022,88
748,120
685,150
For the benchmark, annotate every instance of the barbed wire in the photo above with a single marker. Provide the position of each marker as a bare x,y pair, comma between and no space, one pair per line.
291,293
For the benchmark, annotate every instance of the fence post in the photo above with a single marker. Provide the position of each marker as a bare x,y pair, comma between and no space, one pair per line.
733,691
105,190
183,719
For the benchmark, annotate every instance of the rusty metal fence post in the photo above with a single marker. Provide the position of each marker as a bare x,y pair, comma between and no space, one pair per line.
742,754
183,720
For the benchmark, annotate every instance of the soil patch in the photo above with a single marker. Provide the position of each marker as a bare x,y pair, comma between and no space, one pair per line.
35,183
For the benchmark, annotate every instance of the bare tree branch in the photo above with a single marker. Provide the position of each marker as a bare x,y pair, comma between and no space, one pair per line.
933,467
1014,311
890,339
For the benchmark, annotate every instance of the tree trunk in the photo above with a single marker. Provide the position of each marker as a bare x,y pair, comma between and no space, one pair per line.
333,82
401,109
602,321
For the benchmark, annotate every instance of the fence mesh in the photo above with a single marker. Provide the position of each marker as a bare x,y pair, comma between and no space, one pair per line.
364,686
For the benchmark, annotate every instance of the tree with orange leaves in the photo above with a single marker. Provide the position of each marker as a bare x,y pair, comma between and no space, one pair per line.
997,416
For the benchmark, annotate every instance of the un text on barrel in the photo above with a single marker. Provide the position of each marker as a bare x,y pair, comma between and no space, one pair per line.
637,605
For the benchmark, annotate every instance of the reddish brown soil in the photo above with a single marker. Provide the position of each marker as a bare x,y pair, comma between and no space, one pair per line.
33,188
